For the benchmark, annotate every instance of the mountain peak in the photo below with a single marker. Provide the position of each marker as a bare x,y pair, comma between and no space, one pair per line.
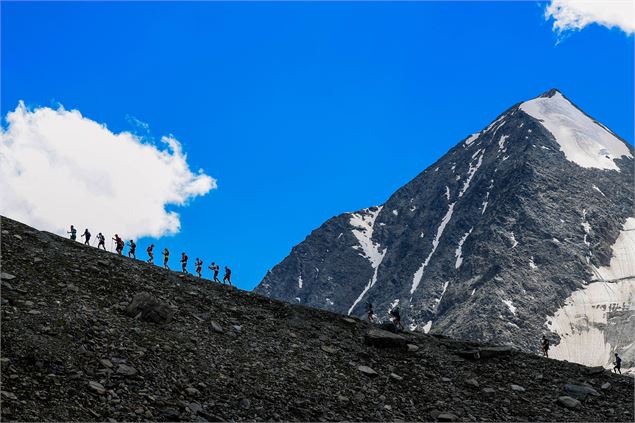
552,92
583,140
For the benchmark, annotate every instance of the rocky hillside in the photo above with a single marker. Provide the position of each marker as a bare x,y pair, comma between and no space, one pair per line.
521,229
81,341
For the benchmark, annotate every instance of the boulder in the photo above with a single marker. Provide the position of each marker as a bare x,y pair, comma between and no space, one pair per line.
395,376
384,339
412,348
6,276
367,371
569,402
580,391
97,387
125,370
447,417
147,308
329,349
517,388
216,327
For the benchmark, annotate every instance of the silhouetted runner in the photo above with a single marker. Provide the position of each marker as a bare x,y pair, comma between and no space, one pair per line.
228,275
86,235
184,263
618,364
371,314
545,346
119,244
133,248
198,264
214,268
73,233
395,314
150,254
101,241
166,256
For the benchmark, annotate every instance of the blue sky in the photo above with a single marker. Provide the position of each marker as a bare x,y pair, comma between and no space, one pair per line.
302,111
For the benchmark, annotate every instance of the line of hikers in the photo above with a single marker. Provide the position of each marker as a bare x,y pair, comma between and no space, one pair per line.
395,317
120,245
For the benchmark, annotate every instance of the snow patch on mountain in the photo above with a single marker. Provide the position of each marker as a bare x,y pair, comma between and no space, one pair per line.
419,273
459,249
622,264
363,224
471,139
501,142
444,288
471,172
532,265
581,320
510,306
513,239
598,190
581,139
300,281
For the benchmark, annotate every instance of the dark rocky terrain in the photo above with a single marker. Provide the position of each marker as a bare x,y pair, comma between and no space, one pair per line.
73,348
488,242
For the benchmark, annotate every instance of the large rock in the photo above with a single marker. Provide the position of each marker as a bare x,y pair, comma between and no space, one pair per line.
6,276
384,339
367,371
146,307
569,402
580,391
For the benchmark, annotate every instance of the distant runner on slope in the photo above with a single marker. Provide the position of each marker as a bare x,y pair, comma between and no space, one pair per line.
86,235
150,254
73,233
133,248
184,262
618,364
395,315
371,314
545,346
198,264
228,275
214,268
119,244
166,256
101,241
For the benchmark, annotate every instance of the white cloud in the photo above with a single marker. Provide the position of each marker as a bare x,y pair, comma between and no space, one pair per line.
59,168
577,14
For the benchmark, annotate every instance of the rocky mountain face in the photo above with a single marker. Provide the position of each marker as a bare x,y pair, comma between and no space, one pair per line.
519,230
90,336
